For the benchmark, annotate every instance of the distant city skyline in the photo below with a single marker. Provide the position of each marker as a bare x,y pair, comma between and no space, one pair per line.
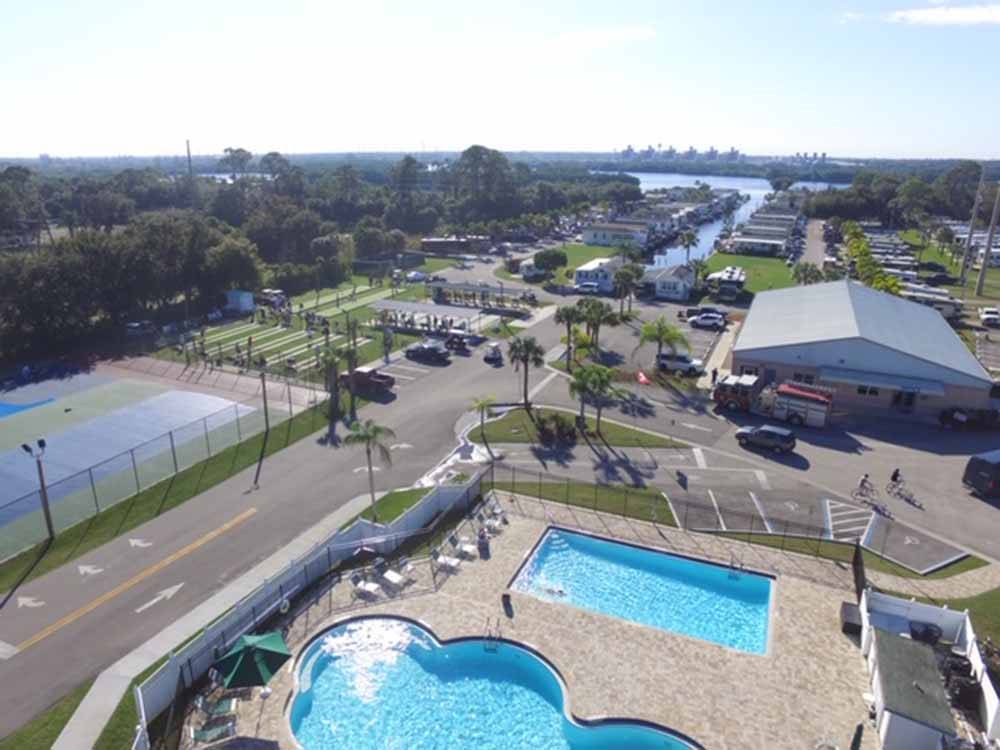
892,79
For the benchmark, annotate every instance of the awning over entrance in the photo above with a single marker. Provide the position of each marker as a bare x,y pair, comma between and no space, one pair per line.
881,380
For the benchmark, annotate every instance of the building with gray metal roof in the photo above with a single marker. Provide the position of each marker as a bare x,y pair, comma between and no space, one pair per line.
878,352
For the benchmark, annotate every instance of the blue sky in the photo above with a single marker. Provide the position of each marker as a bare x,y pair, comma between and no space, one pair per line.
897,79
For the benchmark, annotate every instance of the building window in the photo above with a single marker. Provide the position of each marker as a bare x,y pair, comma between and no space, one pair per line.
804,378
744,370
867,390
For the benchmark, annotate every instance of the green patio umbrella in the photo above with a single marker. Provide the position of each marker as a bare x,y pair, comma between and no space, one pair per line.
253,660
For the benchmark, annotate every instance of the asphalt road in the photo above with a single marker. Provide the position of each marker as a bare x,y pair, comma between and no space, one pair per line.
73,622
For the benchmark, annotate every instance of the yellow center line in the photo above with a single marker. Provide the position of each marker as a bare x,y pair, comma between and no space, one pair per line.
136,579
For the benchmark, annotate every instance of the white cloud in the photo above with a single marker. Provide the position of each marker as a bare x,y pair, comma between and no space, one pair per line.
850,16
948,15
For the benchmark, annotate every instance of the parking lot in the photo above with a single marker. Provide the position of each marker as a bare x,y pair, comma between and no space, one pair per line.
988,349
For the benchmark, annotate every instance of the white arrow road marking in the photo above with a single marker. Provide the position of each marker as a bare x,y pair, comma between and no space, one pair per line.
911,540
89,570
791,505
139,543
399,446
699,458
29,601
365,468
6,650
695,427
162,596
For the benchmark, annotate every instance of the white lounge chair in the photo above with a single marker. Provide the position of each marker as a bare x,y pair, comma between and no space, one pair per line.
448,563
365,588
464,549
401,576
492,525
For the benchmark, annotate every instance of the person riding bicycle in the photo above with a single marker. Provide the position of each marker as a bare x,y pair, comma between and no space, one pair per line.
865,486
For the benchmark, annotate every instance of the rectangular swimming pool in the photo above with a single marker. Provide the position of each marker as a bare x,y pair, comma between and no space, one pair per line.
670,592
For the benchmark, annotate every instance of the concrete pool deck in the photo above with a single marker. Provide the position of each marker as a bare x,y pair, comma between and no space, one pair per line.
807,689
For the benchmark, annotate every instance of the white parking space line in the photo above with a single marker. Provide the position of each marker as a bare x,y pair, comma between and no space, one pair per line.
538,388
398,376
711,496
762,478
421,370
6,650
756,502
699,458
695,427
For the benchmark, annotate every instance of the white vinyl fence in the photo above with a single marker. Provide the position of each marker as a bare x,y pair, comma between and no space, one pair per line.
184,669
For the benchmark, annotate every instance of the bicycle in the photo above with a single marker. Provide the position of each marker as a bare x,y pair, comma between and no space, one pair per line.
896,489
867,495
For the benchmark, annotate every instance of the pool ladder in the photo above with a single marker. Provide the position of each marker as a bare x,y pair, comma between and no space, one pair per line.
735,565
491,641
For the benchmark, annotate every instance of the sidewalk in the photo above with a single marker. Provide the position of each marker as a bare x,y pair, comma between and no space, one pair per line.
90,718
719,357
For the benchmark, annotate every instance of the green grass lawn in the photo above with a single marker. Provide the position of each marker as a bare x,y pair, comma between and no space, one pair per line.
433,265
842,552
984,609
935,253
576,256
390,507
41,732
156,500
516,426
762,273
644,503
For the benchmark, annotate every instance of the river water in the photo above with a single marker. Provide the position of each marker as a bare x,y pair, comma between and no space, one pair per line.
754,187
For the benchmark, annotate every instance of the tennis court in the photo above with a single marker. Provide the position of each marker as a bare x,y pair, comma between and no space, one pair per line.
106,440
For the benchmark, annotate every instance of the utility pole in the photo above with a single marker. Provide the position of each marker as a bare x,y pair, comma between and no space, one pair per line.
42,488
972,226
988,250
267,430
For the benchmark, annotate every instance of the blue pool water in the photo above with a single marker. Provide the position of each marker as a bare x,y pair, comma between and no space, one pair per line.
386,684
693,598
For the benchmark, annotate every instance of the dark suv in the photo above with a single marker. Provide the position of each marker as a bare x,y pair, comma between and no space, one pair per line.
776,439
428,351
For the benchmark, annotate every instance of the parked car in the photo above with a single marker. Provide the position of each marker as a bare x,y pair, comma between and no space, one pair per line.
493,355
529,297
938,279
428,351
982,474
415,276
214,316
710,321
140,328
678,362
693,312
769,437
989,316
437,277
931,266
969,419
368,379
587,287
456,343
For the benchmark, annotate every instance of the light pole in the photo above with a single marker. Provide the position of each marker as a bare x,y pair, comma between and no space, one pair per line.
41,482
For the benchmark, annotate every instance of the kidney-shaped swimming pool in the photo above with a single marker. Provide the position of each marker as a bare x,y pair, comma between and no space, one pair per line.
387,684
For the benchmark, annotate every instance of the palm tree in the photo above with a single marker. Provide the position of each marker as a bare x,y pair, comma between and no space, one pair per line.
483,406
579,387
371,436
806,273
700,268
662,333
688,240
623,280
526,352
597,314
569,316
601,387
330,359
351,351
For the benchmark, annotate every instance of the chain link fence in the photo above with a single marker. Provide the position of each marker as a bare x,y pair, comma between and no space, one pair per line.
652,505
82,495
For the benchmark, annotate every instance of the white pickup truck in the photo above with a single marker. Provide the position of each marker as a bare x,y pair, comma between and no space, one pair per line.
989,316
